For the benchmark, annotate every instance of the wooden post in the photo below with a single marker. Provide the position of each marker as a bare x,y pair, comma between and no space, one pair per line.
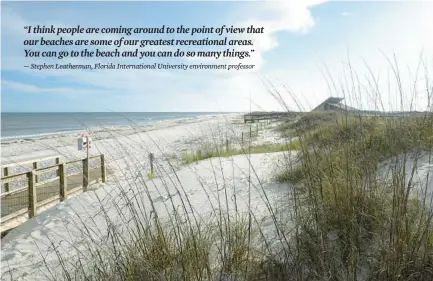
35,167
85,174
103,171
227,145
6,173
32,194
257,128
88,162
63,182
151,157
57,160
242,137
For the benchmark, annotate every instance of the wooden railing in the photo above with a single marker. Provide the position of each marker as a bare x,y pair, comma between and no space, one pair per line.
35,165
33,182
258,116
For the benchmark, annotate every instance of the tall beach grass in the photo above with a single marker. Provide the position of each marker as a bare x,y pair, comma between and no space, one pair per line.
345,218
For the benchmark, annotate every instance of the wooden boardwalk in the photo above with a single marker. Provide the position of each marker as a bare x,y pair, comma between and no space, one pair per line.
259,115
18,201
41,188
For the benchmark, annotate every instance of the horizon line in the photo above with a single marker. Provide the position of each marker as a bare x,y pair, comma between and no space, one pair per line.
122,111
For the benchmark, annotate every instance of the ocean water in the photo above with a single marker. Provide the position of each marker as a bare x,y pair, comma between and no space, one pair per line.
27,125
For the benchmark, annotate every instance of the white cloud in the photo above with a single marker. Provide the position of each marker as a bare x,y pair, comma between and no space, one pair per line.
402,31
142,85
286,16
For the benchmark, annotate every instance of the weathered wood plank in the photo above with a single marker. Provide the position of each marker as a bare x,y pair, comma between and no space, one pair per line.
33,200
17,200
22,163
59,185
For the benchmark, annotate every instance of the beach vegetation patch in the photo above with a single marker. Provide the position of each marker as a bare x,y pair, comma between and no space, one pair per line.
210,152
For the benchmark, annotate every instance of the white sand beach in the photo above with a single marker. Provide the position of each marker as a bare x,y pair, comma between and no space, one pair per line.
166,139
28,248
205,189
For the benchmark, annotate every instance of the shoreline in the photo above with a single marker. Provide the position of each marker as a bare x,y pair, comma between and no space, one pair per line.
246,181
164,137
159,124
126,150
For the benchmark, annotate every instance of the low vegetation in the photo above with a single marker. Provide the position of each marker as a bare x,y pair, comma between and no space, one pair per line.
345,218
365,141
378,228
309,121
347,223
151,175
210,151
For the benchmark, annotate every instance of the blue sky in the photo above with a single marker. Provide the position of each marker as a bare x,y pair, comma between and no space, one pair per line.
302,41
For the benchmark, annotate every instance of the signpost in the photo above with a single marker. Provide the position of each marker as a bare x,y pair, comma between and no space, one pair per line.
84,142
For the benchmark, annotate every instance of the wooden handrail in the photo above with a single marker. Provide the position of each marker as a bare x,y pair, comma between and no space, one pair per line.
40,171
10,165
8,179
35,165
32,186
80,160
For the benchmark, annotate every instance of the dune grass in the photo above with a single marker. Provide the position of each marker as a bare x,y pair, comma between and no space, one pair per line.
212,151
345,221
366,225
151,175
366,141
238,141
308,121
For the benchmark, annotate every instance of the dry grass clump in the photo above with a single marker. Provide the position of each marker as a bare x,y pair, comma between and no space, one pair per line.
308,122
209,151
347,221
354,223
